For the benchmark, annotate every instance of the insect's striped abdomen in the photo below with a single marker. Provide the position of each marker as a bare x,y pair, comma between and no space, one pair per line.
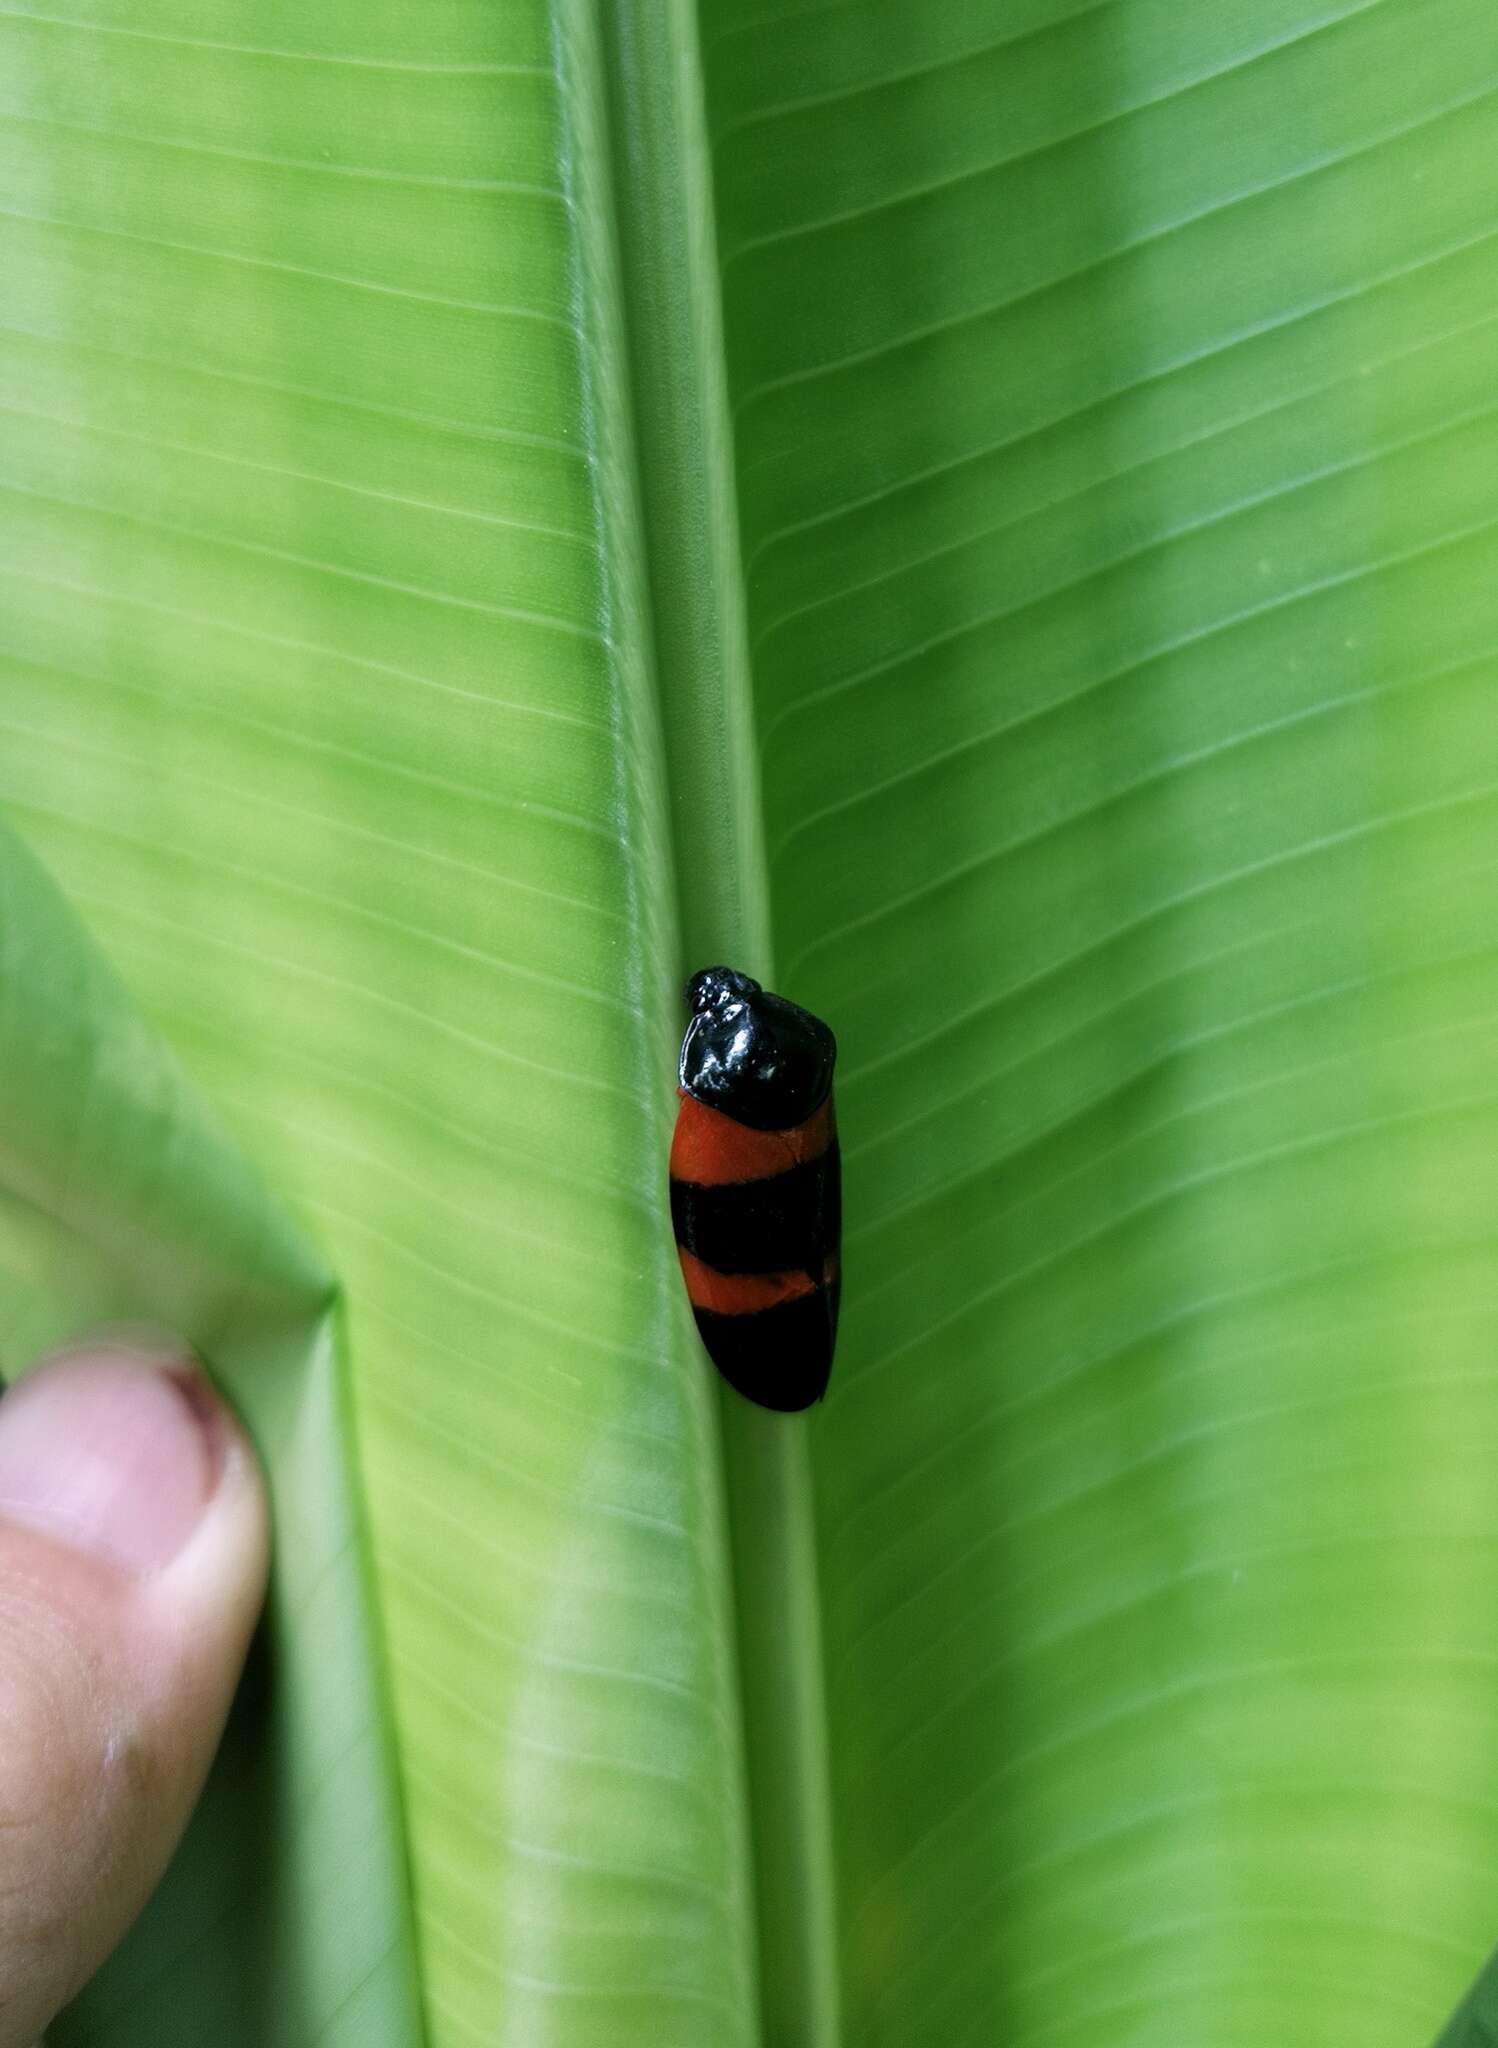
757,1216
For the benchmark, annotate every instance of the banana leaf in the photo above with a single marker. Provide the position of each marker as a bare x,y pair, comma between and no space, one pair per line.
983,516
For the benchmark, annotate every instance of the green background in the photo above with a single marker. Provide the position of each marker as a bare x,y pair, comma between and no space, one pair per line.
983,514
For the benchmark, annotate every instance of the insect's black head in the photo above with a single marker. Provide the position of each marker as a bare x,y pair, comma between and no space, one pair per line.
714,988
752,1055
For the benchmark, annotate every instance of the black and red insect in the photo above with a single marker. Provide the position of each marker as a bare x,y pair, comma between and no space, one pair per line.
755,1193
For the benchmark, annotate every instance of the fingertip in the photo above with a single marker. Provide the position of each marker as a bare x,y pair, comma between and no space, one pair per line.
134,1548
116,1453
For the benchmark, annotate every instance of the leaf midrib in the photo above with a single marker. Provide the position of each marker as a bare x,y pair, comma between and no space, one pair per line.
683,462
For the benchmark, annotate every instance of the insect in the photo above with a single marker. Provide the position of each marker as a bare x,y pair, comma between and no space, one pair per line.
755,1191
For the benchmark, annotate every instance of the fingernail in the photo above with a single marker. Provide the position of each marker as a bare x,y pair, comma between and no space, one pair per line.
113,1451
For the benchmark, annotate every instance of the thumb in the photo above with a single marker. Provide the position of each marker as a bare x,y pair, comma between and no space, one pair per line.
132,1567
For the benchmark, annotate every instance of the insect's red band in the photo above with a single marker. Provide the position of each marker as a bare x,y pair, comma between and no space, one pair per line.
743,1294
712,1150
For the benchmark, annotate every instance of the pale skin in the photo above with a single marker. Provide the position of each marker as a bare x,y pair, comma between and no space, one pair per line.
133,1548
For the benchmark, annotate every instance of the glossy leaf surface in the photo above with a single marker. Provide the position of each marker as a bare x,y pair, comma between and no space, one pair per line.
982,515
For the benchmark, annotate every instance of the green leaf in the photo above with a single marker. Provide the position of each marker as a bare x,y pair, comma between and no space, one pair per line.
982,514
1474,2024
285,1917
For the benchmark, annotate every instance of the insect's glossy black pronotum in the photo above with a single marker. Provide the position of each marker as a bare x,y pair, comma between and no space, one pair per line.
755,1196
